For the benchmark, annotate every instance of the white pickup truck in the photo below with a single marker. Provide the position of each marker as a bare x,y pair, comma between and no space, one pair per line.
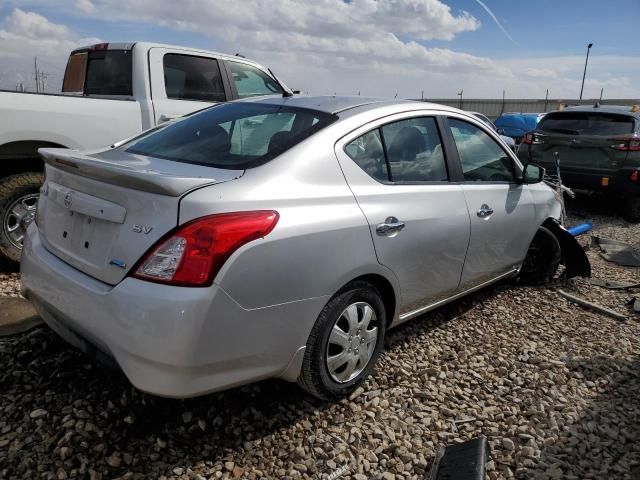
110,91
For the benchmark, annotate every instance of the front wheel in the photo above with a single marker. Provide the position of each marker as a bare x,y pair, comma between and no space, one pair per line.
542,260
18,200
345,342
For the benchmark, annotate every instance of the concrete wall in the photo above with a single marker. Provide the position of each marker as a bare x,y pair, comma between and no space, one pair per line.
492,108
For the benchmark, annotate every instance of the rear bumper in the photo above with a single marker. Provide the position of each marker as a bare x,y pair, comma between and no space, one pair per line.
619,181
169,341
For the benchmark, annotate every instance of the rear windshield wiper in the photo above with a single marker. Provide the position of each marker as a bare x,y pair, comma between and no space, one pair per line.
567,131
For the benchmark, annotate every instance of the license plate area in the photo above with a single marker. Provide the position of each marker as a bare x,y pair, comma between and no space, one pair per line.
80,236
81,228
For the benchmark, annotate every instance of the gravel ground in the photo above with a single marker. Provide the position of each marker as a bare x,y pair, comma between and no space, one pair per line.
554,387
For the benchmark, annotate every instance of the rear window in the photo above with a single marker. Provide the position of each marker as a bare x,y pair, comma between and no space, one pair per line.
587,123
108,73
232,135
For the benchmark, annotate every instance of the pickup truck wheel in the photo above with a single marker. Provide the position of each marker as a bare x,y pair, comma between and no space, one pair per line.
542,260
631,211
18,200
345,342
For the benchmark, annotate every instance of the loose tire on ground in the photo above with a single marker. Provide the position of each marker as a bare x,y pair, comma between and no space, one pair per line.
316,377
542,260
631,210
12,189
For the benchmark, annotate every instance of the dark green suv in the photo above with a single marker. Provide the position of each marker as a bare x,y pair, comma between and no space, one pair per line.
599,148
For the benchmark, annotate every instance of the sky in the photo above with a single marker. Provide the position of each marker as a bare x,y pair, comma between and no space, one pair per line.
407,48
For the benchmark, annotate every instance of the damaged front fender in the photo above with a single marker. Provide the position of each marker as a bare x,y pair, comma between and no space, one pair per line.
574,257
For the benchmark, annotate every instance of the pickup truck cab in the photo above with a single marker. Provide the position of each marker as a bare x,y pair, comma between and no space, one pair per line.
110,91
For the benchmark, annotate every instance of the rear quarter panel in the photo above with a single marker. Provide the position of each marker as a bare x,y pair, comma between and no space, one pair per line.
322,239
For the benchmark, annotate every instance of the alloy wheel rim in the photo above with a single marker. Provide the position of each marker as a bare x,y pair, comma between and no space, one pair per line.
352,342
18,217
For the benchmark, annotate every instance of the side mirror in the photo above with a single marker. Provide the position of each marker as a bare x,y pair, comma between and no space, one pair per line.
532,173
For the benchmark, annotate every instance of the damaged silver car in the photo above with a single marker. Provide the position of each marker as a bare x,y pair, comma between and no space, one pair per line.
282,237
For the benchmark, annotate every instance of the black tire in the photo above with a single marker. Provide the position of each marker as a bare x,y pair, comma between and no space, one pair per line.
631,210
12,189
315,377
542,260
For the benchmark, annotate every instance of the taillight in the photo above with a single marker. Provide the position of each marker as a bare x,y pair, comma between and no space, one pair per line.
634,176
192,255
531,138
631,144
100,46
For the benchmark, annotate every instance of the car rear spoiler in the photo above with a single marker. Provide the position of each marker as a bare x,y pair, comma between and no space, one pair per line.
140,178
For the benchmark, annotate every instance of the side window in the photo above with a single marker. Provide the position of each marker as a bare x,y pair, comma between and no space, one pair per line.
368,154
187,77
414,150
251,81
481,157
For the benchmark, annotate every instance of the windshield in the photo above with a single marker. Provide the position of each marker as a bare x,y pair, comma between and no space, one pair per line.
587,123
233,135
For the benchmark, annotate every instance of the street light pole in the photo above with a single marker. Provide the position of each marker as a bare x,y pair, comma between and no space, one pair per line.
585,69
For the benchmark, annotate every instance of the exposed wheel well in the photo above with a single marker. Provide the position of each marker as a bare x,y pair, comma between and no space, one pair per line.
22,156
386,289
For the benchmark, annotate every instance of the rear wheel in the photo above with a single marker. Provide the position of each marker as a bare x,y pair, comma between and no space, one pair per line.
345,342
18,200
542,260
631,209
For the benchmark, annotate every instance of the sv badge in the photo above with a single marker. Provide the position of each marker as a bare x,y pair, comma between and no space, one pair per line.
141,229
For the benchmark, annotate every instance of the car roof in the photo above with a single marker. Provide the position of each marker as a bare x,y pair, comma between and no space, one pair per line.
335,104
148,45
597,108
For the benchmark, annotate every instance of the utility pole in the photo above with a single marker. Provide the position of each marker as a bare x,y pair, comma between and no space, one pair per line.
584,74
35,66
601,92
460,95
546,99
43,81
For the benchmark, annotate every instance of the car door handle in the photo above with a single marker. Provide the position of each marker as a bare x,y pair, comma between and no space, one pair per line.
484,211
390,225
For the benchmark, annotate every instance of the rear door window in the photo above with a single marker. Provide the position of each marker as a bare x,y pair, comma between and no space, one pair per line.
414,150
250,81
232,135
406,151
587,123
367,152
188,77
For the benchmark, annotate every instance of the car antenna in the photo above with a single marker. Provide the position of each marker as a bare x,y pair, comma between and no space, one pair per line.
285,91
240,55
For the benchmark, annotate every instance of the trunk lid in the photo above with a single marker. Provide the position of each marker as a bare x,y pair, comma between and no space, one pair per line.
101,212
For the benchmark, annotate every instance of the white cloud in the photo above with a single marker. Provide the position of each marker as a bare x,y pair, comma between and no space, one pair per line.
26,35
85,6
324,46
32,25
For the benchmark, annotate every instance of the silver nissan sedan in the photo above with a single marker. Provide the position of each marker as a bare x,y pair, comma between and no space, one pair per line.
280,237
